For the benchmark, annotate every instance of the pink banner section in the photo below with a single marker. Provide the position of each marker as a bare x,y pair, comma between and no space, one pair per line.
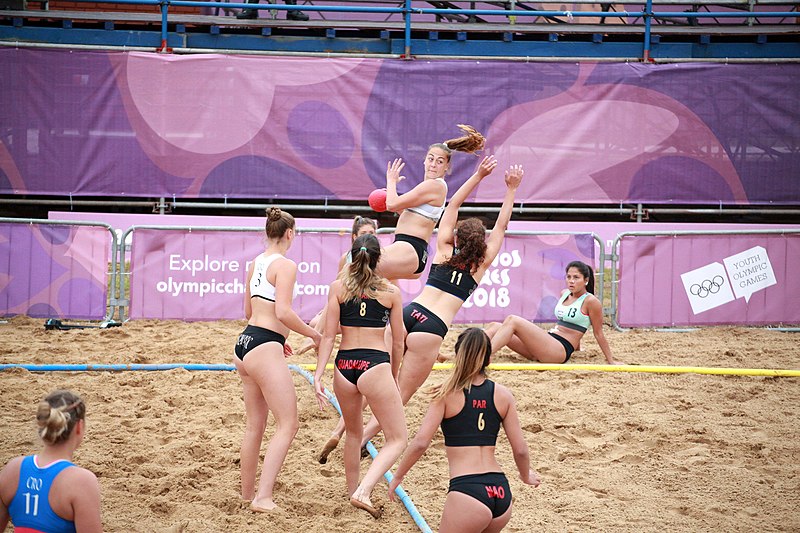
201,275
687,280
54,271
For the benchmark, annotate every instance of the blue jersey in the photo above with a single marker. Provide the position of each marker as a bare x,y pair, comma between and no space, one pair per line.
30,509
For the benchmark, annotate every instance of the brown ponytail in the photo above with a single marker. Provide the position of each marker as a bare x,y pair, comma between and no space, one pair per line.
473,354
360,277
472,141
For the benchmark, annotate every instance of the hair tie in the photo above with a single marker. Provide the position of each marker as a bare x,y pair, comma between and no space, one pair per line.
363,248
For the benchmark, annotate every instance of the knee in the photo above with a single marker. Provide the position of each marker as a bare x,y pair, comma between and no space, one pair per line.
289,427
511,320
399,439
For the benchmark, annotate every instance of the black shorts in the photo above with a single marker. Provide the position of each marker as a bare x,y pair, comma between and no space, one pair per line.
568,347
418,319
253,336
353,363
420,246
491,489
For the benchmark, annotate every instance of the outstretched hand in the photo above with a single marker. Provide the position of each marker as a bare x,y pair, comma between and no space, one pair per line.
287,350
514,176
486,166
393,169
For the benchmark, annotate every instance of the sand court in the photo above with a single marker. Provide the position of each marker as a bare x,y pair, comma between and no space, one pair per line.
616,451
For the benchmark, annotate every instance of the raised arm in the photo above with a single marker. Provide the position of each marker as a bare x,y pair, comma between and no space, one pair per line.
417,447
326,344
513,430
495,241
450,216
428,191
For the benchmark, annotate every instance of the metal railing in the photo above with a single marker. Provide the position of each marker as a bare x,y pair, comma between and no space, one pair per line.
415,18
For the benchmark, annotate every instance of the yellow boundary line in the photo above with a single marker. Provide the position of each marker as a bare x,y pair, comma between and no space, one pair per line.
623,368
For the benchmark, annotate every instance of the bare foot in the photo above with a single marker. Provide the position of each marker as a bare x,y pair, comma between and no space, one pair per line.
331,445
265,506
376,513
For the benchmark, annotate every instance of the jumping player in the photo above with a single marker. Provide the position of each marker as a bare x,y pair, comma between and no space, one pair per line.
421,207
463,254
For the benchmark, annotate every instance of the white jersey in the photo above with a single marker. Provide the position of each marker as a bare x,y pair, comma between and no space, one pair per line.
431,212
260,287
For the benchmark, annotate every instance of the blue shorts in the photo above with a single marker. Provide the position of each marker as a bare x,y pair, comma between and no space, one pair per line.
491,489
351,364
253,336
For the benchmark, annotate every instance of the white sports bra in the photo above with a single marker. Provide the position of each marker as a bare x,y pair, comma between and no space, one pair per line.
260,287
431,212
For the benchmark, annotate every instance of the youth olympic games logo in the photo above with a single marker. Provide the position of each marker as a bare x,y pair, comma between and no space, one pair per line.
707,286
741,275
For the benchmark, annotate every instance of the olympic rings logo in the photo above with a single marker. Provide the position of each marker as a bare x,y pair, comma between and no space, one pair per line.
708,286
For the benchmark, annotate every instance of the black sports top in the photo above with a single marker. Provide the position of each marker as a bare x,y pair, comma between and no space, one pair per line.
363,312
478,422
456,281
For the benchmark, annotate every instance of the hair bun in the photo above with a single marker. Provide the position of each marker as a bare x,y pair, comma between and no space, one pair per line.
274,213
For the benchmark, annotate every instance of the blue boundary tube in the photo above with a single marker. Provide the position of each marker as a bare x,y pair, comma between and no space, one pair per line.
404,497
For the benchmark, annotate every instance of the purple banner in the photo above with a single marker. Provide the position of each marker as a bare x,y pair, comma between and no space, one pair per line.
526,278
685,280
201,275
213,126
54,271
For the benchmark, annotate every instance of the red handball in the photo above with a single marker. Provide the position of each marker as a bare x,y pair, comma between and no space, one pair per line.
377,200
